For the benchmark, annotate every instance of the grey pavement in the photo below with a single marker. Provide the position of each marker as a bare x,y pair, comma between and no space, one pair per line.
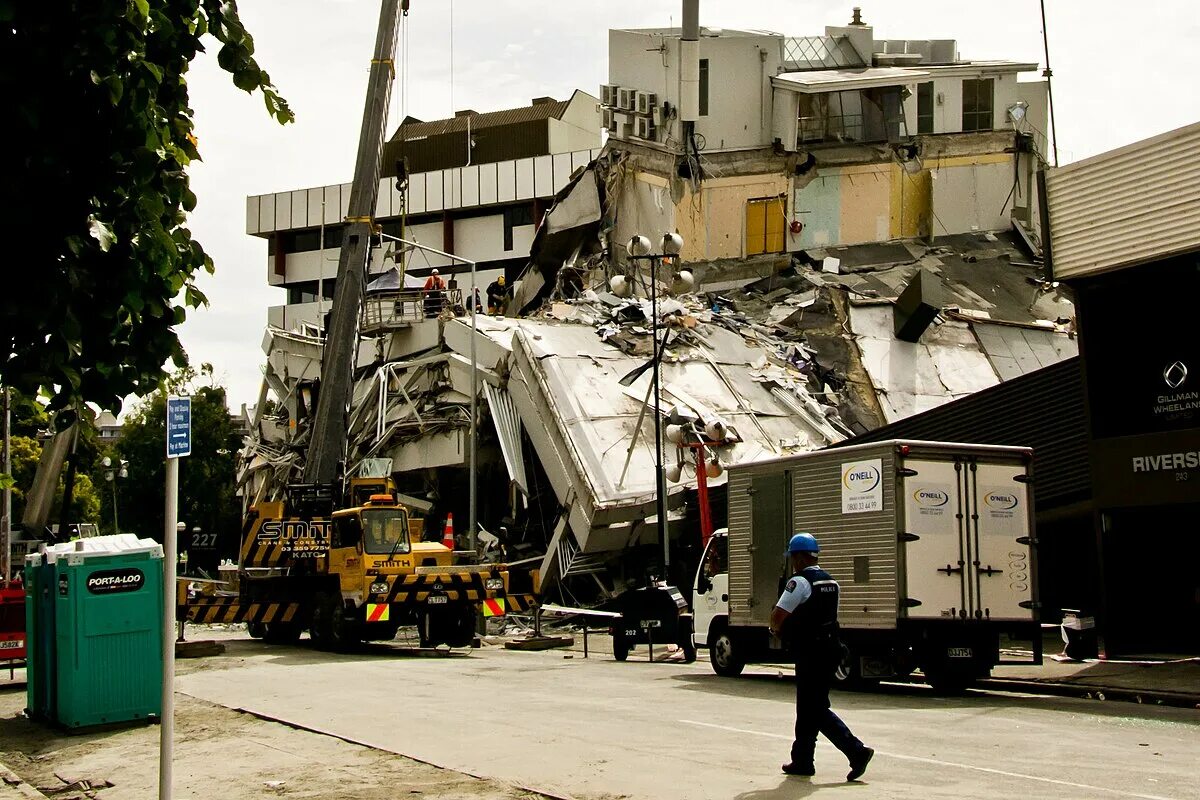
596,728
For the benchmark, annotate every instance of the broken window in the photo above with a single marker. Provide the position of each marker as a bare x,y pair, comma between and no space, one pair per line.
514,216
869,115
704,87
306,291
977,104
925,107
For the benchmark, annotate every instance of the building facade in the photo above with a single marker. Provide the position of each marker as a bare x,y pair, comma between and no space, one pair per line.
818,141
1125,233
472,185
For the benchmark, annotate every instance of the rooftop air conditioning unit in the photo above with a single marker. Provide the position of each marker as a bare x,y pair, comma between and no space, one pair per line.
622,125
943,51
608,115
647,102
626,98
644,128
608,95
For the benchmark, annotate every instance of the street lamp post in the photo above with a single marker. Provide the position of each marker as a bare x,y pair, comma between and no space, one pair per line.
112,471
638,249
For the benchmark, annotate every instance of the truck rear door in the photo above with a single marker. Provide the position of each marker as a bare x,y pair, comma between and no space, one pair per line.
966,528
935,555
1004,571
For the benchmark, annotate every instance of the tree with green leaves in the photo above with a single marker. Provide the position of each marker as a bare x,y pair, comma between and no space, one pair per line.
207,492
95,194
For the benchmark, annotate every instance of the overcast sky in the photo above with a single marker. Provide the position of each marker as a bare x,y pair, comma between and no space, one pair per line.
1122,72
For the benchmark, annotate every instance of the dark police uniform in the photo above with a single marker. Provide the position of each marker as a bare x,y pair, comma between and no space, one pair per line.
810,632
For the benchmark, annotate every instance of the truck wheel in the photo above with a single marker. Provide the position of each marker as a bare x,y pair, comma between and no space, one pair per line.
451,626
620,647
723,653
282,632
257,630
330,628
949,683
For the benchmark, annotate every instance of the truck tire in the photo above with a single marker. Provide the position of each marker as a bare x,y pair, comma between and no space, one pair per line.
330,628
256,630
282,632
724,655
454,626
620,647
949,683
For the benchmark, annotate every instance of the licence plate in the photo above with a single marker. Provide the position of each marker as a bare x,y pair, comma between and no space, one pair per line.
959,652
12,644
437,600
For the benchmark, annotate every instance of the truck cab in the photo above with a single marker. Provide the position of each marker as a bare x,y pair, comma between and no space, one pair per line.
711,588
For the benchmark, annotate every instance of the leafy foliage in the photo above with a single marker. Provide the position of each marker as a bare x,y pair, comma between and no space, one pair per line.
95,191
207,496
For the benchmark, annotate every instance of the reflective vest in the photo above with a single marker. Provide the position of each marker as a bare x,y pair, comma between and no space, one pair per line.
816,618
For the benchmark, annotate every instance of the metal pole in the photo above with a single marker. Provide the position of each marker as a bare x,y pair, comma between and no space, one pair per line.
471,517
116,525
321,274
659,476
6,509
166,728
1047,73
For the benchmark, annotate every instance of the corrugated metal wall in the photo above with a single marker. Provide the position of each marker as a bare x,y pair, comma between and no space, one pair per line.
817,493
1127,206
1042,409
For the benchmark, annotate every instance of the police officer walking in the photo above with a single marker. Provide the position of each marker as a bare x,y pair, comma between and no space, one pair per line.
806,619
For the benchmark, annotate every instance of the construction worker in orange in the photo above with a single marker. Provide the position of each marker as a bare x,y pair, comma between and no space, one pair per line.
435,294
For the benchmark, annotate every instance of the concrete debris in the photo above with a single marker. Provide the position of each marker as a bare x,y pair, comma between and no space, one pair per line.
780,354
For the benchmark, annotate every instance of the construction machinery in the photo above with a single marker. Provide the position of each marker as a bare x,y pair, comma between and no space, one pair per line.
342,557
349,575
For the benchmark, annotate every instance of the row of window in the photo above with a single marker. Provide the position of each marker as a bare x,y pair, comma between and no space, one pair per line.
306,241
977,105
877,115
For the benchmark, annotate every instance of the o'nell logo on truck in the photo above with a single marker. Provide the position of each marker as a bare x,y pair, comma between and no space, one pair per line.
860,478
1000,501
931,498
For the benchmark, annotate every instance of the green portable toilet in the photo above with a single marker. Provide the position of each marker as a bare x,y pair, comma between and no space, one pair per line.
39,636
108,616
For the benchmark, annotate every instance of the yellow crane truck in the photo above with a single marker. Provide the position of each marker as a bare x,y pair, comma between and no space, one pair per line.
356,574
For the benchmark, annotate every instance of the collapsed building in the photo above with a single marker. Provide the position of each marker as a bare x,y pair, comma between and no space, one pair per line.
792,337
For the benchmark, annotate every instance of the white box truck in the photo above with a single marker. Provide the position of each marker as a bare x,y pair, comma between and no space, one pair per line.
932,544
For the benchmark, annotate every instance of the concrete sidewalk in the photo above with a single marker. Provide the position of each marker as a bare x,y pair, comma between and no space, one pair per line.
1174,681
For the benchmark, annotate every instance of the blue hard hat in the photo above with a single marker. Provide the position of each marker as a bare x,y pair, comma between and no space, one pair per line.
803,543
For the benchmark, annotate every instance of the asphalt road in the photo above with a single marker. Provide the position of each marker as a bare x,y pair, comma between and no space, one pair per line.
600,729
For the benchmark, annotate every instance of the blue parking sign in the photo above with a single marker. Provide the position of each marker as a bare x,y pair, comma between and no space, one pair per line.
179,427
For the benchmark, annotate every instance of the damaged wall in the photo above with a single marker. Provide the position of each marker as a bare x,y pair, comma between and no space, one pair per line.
713,223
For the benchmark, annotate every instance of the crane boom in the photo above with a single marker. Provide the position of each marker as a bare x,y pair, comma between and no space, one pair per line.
328,441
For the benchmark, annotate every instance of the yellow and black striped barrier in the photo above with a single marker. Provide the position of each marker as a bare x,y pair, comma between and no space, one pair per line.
230,610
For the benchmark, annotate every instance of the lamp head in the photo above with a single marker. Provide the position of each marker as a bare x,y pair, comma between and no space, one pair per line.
638,246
